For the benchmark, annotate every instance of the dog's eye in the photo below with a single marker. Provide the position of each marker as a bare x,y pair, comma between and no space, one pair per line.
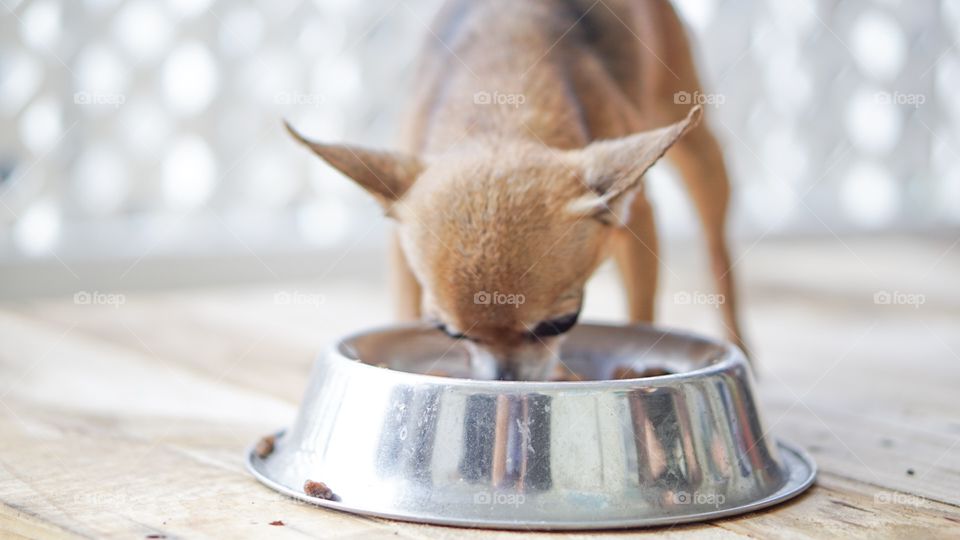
555,327
455,335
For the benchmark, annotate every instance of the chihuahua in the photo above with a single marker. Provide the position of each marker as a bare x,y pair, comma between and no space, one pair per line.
523,153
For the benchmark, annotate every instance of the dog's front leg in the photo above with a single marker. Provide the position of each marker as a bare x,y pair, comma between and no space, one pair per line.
635,252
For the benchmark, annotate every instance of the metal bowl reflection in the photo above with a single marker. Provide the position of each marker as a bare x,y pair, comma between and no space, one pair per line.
596,454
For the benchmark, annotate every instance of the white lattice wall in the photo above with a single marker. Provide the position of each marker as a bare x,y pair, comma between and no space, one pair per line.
840,116
149,126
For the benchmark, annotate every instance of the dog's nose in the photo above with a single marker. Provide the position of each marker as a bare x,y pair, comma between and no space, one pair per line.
530,364
507,372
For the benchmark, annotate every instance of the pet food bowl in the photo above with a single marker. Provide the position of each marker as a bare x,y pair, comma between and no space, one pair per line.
395,443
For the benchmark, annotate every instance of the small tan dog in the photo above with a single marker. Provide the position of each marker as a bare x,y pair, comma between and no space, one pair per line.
522,166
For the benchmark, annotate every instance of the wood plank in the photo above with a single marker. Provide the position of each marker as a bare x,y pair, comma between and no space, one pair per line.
125,422
21,523
54,367
115,485
840,508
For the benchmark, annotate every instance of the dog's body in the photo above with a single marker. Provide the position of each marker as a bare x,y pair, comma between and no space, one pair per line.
522,167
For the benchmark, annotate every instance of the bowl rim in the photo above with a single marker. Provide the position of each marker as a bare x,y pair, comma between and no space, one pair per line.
729,357
800,467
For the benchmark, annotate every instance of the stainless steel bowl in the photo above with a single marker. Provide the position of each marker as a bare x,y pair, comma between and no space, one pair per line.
395,443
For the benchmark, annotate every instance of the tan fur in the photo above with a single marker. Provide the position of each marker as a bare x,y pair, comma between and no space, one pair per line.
528,199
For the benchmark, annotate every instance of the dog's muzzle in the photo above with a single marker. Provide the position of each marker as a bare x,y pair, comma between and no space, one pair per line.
528,362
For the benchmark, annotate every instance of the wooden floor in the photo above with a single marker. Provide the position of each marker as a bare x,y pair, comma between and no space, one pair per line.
130,420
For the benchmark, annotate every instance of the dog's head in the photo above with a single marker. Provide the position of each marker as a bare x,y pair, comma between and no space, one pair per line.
503,237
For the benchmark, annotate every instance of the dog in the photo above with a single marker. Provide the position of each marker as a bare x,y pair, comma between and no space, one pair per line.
528,135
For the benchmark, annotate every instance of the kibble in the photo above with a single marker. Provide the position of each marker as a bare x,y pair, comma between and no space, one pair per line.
319,490
265,446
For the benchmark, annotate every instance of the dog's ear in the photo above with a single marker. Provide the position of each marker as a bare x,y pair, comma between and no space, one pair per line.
385,175
613,168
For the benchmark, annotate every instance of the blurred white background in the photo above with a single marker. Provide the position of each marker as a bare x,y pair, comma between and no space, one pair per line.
142,146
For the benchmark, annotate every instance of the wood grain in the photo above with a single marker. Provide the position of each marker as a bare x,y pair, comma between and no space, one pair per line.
130,421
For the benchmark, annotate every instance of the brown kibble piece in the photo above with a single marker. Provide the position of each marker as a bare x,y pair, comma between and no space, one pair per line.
319,490
265,446
438,373
626,372
277,523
